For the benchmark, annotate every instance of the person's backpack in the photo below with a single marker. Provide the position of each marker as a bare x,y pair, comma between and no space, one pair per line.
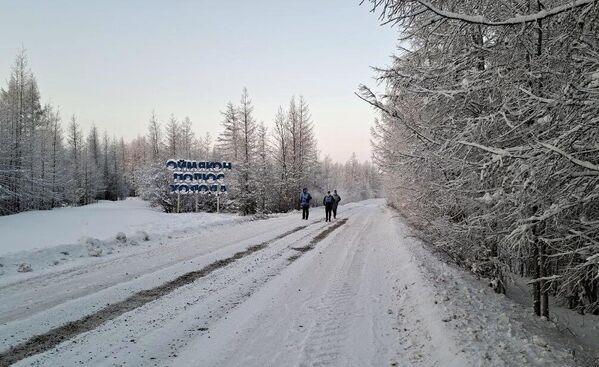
328,199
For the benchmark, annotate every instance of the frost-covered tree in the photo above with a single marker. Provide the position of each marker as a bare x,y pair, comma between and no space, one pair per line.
283,184
488,137
187,140
136,161
172,137
238,143
56,159
304,153
154,138
205,149
92,160
74,190
229,140
42,166
20,122
117,186
247,157
353,180
263,171
105,165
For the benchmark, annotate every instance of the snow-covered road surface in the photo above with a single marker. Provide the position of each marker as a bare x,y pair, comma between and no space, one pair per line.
356,292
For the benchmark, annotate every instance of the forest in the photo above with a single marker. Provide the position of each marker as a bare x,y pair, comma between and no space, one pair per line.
488,138
45,163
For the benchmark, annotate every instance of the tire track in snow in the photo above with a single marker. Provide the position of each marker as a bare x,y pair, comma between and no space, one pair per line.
44,291
41,343
323,345
47,341
272,265
321,236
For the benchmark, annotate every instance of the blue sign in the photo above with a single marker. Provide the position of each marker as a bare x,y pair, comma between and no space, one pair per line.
190,177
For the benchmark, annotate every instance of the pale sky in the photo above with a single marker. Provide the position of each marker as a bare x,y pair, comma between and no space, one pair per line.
113,62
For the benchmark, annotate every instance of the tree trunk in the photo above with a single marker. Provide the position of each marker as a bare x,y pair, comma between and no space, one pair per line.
543,284
536,303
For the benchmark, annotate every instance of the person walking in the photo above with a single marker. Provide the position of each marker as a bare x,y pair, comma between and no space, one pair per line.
336,203
328,202
305,198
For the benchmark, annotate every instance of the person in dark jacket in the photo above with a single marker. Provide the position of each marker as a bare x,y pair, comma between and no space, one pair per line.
328,203
305,198
336,203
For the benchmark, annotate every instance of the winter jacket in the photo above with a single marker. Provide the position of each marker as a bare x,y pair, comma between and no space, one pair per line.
328,200
305,198
337,200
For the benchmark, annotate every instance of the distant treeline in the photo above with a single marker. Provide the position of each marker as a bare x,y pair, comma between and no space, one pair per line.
45,165
270,167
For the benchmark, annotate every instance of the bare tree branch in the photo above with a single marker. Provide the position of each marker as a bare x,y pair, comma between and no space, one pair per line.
530,18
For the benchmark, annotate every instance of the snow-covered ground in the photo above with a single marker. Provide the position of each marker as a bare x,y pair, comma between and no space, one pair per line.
52,238
360,291
582,328
47,228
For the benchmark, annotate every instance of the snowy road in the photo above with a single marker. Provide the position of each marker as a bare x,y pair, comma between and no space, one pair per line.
280,292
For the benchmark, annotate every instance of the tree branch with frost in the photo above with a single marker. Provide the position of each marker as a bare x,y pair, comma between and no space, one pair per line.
373,101
544,279
555,210
540,99
529,18
497,151
580,162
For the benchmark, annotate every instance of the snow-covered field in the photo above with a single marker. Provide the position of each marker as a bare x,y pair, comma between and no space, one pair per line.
47,228
53,238
360,291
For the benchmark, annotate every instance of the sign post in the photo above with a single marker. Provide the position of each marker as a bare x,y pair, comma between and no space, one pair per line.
197,177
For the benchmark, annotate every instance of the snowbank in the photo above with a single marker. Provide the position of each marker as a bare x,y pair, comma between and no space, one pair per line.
47,228
36,240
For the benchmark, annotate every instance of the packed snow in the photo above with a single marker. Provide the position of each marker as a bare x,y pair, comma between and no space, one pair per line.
359,291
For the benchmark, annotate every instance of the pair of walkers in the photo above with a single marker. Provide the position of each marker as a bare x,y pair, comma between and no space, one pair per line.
330,202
